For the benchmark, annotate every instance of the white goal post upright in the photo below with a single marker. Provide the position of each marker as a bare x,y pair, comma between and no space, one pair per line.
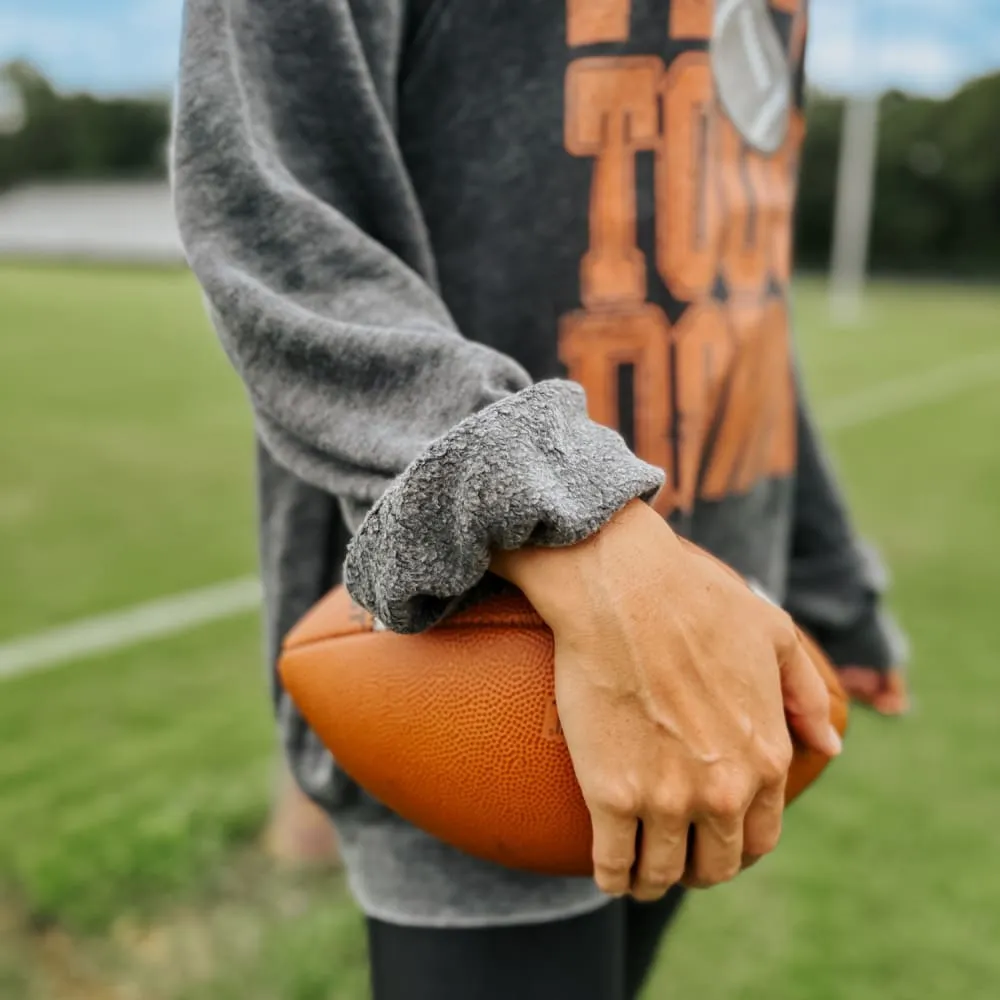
853,208
12,110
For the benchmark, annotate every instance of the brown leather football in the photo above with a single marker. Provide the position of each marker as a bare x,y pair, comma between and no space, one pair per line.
456,729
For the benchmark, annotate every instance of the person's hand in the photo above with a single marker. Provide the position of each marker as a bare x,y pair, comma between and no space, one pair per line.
676,686
884,691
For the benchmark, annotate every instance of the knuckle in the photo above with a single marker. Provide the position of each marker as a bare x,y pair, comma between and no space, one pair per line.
726,799
670,805
613,860
613,864
662,878
786,636
775,760
617,798
786,625
613,881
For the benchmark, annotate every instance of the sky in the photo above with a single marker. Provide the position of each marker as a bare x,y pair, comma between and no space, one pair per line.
855,46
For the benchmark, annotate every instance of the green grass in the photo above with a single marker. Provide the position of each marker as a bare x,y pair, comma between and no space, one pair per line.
132,787
125,458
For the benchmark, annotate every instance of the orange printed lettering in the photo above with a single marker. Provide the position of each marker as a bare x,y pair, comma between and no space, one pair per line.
756,431
611,113
744,260
711,399
691,18
687,196
702,349
778,195
594,346
780,423
591,21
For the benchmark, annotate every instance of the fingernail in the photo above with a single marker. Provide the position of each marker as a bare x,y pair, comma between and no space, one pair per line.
835,742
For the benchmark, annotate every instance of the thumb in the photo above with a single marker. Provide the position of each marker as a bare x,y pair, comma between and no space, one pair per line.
807,702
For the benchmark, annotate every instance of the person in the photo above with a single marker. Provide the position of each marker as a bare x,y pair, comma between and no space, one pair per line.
508,289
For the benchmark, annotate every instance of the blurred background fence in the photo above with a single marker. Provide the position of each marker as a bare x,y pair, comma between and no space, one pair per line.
82,176
95,171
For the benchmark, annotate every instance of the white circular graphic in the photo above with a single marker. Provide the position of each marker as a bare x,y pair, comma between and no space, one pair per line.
752,75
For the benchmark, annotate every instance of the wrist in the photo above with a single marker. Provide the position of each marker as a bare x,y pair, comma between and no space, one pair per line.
560,581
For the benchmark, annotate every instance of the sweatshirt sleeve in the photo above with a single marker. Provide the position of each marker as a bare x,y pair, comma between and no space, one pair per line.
303,230
836,581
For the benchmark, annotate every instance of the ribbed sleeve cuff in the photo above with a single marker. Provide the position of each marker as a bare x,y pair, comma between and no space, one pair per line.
529,469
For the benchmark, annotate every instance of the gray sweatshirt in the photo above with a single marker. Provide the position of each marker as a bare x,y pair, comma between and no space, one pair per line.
488,272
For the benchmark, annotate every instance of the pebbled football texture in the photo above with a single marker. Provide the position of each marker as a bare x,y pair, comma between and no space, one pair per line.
456,730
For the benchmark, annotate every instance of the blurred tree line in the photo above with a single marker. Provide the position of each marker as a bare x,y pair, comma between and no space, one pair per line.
78,136
937,183
937,205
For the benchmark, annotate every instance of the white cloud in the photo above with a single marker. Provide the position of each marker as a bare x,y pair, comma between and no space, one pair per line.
921,64
923,46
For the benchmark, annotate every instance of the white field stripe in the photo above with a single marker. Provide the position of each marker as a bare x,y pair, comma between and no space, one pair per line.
910,392
183,612
128,627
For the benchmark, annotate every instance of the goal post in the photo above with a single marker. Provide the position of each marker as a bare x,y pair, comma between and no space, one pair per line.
852,213
13,114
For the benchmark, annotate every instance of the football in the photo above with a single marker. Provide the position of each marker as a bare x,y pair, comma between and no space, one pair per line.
456,729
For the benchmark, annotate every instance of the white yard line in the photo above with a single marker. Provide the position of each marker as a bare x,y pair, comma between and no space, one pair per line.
910,392
173,615
128,627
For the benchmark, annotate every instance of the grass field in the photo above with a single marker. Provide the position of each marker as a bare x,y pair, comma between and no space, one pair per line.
133,786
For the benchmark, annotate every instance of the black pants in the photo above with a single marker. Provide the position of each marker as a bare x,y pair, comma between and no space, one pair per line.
604,955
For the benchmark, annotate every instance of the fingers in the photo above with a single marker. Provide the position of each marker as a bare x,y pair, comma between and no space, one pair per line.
614,849
860,683
893,697
886,693
762,823
662,856
715,853
807,701
740,817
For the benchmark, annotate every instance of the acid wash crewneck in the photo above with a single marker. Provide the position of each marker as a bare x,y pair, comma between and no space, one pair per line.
498,269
